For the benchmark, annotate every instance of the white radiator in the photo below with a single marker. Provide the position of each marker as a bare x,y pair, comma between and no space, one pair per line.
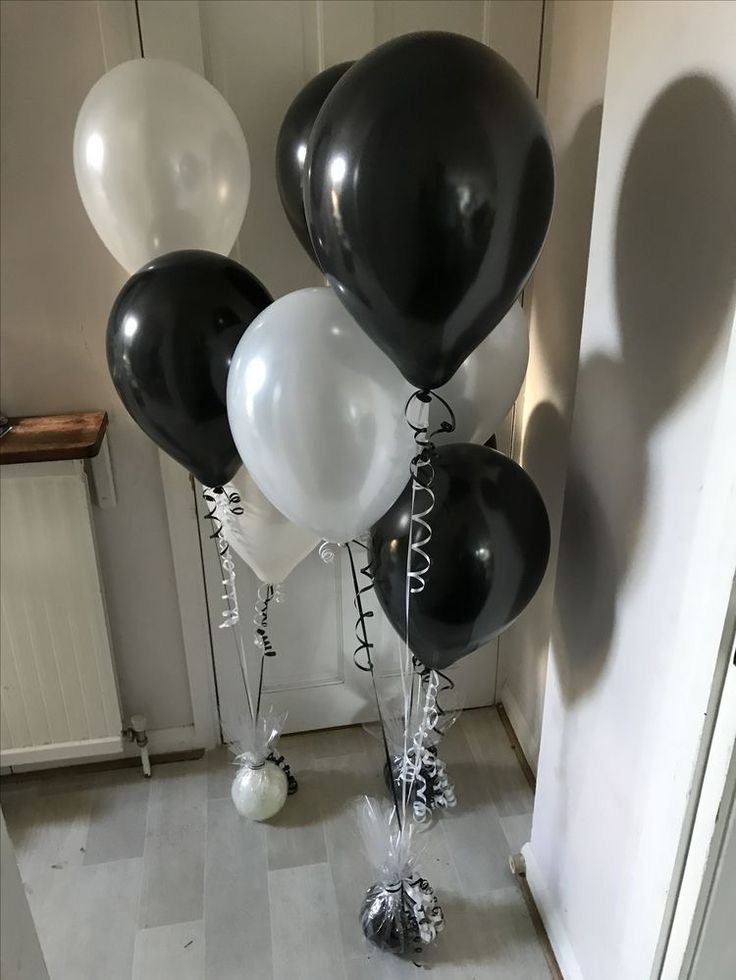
59,692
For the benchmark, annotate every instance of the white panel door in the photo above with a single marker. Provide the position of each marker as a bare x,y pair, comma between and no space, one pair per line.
259,54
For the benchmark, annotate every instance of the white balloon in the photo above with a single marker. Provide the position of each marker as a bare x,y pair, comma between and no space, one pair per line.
161,162
317,413
266,540
259,793
487,383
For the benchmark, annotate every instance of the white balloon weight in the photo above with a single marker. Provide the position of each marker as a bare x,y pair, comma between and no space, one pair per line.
259,793
487,383
317,413
161,162
266,540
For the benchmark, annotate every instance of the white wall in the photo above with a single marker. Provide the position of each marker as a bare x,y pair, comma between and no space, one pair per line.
575,52
648,540
58,284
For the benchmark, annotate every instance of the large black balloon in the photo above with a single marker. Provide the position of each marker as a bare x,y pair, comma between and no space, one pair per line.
170,338
428,194
489,550
291,147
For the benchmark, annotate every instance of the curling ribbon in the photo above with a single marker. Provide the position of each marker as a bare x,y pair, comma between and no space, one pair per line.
420,534
230,615
284,766
425,909
266,593
361,632
326,551
422,473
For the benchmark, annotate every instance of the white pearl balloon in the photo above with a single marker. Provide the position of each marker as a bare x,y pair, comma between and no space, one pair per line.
487,383
259,793
266,540
161,162
317,413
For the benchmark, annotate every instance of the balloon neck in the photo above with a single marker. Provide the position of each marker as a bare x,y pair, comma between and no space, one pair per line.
424,395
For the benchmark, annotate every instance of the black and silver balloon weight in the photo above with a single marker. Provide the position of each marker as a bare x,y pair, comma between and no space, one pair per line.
430,789
401,917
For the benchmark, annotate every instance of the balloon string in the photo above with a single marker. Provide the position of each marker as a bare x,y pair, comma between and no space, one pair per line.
266,594
418,564
445,684
365,646
230,615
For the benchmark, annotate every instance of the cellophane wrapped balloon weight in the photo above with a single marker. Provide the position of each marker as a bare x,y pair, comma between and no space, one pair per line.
419,772
400,912
261,785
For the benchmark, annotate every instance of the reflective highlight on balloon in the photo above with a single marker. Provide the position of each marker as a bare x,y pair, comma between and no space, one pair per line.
291,148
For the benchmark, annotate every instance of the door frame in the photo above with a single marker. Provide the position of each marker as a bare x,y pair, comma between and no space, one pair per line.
714,799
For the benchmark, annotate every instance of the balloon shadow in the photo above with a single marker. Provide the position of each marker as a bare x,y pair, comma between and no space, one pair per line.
675,256
560,275
676,242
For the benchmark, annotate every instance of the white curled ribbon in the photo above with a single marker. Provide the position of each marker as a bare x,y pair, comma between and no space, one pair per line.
421,769
425,908
230,615
326,551
420,534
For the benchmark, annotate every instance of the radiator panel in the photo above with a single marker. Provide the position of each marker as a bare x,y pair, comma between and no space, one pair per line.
59,693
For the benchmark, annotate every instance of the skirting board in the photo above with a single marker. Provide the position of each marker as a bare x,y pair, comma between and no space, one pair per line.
160,742
62,753
554,928
528,743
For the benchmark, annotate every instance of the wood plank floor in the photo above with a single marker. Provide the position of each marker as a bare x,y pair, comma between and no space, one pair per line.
160,879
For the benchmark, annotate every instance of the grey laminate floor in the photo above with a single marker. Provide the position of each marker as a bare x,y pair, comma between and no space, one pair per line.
161,879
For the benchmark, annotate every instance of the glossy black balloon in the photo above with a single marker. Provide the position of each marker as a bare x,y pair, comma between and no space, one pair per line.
291,147
428,194
489,551
170,338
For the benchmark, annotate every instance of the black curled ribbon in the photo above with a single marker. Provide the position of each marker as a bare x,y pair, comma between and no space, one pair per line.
260,620
284,766
422,435
230,615
361,633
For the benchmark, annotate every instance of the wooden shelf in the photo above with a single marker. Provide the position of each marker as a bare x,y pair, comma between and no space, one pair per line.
44,438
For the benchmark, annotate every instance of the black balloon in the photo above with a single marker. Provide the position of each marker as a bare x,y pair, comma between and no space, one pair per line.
428,193
170,338
489,550
291,147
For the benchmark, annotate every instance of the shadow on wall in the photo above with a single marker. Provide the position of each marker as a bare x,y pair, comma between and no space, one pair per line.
560,276
557,306
675,268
